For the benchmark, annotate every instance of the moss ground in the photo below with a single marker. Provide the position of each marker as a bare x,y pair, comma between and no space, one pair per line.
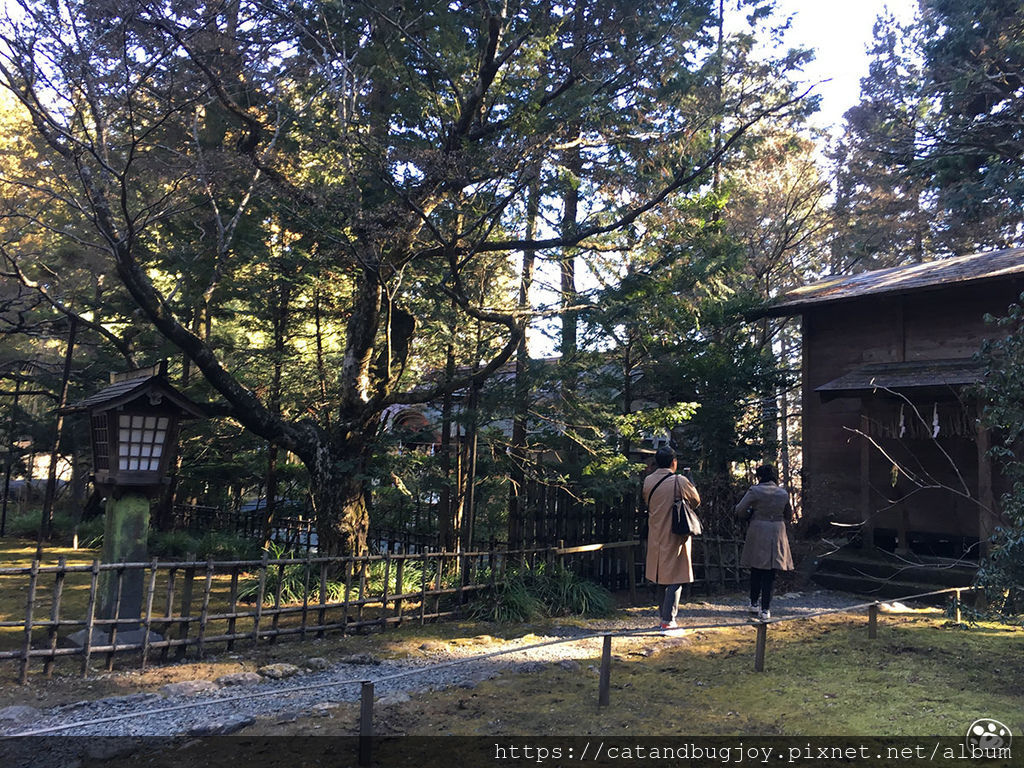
823,677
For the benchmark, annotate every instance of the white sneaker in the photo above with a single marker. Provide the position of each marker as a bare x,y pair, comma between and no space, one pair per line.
754,608
764,615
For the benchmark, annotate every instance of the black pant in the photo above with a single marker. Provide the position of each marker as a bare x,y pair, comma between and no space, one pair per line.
761,580
670,603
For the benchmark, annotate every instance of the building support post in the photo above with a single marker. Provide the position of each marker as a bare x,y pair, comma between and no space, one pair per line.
868,530
987,514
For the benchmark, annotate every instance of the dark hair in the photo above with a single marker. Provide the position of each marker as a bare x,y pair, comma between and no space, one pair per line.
766,474
664,457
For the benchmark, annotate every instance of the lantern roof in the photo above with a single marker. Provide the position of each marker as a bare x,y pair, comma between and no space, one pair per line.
148,385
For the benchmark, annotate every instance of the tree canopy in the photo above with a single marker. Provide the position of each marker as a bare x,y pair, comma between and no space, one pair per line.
314,204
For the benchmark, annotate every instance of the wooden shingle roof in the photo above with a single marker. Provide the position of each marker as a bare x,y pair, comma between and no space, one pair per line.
948,374
127,390
955,270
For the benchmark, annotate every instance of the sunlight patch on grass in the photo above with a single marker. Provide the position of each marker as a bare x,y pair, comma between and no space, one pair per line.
823,677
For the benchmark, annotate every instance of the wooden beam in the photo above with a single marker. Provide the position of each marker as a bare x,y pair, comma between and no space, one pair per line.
987,515
865,478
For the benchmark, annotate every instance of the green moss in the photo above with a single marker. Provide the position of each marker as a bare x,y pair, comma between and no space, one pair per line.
822,677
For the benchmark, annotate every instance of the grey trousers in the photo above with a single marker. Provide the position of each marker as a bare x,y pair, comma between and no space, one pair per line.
670,604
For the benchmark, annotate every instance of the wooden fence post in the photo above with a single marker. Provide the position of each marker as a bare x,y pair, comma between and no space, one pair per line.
186,605
321,616
277,603
362,588
264,564
58,591
172,575
90,615
762,642
350,567
399,582
424,562
366,724
147,623
873,621
112,637
233,609
631,577
384,594
957,616
307,575
29,608
460,583
606,672
204,614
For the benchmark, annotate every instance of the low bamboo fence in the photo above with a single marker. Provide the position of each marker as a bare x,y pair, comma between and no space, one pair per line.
188,606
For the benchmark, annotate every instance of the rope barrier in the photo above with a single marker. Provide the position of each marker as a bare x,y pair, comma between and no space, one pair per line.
605,636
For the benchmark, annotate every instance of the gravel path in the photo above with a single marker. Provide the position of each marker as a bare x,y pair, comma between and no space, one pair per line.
230,708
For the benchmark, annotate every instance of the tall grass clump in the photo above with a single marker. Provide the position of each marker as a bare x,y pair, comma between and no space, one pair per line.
527,593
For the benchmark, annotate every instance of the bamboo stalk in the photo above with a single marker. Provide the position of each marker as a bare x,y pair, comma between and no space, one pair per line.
736,561
277,603
90,616
186,604
460,578
721,563
233,601
112,639
204,613
350,568
259,598
29,608
169,609
387,578
322,613
399,585
305,591
362,589
437,583
631,575
147,622
58,591
423,591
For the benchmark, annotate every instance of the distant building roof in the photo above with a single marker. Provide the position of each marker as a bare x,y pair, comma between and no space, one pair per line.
917,375
907,279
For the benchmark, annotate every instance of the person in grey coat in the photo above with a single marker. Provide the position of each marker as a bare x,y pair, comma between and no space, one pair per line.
766,549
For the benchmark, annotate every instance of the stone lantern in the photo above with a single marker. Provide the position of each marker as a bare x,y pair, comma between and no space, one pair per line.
134,429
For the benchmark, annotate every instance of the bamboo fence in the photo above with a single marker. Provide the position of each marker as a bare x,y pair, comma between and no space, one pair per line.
188,606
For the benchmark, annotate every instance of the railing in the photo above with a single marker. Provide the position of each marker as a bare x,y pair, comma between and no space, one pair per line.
187,606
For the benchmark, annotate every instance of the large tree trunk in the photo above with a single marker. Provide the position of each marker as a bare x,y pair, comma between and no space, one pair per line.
521,394
340,497
46,523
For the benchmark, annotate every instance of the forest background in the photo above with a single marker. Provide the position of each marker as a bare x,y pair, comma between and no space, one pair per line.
330,216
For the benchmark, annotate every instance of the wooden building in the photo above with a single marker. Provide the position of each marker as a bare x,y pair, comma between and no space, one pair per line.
891,438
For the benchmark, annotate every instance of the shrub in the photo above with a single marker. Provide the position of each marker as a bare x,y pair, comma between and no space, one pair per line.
526,594
214,544
508,601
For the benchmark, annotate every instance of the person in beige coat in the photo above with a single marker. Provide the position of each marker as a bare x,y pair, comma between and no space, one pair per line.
668,554
766,549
